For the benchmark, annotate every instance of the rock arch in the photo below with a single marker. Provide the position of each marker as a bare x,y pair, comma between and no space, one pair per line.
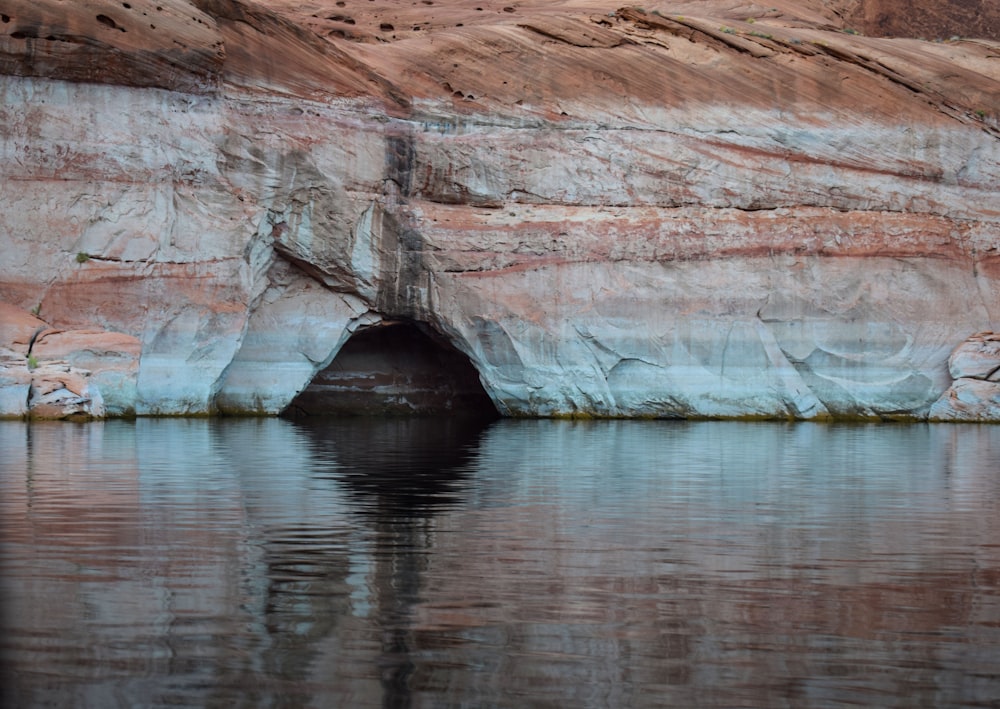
395,368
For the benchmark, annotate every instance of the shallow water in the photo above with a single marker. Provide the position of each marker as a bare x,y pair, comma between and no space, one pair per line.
412,563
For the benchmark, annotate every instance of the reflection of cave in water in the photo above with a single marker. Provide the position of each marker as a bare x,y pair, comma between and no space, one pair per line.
395,369
307,599
397,467
400,472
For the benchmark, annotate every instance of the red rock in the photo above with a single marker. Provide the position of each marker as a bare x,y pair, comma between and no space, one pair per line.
17,328
151,43
78,344
59,391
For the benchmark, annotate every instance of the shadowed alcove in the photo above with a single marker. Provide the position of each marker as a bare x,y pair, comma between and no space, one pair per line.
395,368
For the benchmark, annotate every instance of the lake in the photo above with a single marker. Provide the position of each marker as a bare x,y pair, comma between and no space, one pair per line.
447,563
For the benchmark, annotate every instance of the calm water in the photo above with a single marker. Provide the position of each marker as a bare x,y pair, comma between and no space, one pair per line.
535,563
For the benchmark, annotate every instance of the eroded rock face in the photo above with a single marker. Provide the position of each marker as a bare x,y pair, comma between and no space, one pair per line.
977,358
695,209
975,393
932,21
59,391
109,359
46,373
294,332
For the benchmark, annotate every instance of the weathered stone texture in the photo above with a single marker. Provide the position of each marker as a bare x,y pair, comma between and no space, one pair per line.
696,209
977,358
975,393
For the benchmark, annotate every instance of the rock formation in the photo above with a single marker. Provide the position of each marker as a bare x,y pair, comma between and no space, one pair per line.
974,394
688,209
46,373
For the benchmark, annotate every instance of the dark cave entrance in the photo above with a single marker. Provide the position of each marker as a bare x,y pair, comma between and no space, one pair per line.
396,368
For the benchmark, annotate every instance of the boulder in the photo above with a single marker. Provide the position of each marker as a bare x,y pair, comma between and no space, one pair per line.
59,391
968,400
977,358
111,360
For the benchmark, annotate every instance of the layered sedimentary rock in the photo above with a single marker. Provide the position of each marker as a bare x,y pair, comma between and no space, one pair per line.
974,394
53,374
691,209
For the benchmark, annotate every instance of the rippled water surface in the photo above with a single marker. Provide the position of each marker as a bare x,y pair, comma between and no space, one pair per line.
526,563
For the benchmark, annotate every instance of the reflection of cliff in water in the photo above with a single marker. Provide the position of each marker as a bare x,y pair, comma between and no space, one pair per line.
570,563
400,472
396,467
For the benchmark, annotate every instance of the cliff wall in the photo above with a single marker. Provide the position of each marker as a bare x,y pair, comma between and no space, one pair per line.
692,209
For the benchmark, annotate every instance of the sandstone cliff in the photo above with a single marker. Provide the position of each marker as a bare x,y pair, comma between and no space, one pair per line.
696,208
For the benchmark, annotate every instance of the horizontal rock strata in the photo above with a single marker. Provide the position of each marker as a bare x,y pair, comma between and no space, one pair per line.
695,209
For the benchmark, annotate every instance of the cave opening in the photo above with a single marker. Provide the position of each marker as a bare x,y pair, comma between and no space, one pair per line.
396,368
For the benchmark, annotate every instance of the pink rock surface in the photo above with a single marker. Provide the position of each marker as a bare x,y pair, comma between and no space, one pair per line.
16,328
